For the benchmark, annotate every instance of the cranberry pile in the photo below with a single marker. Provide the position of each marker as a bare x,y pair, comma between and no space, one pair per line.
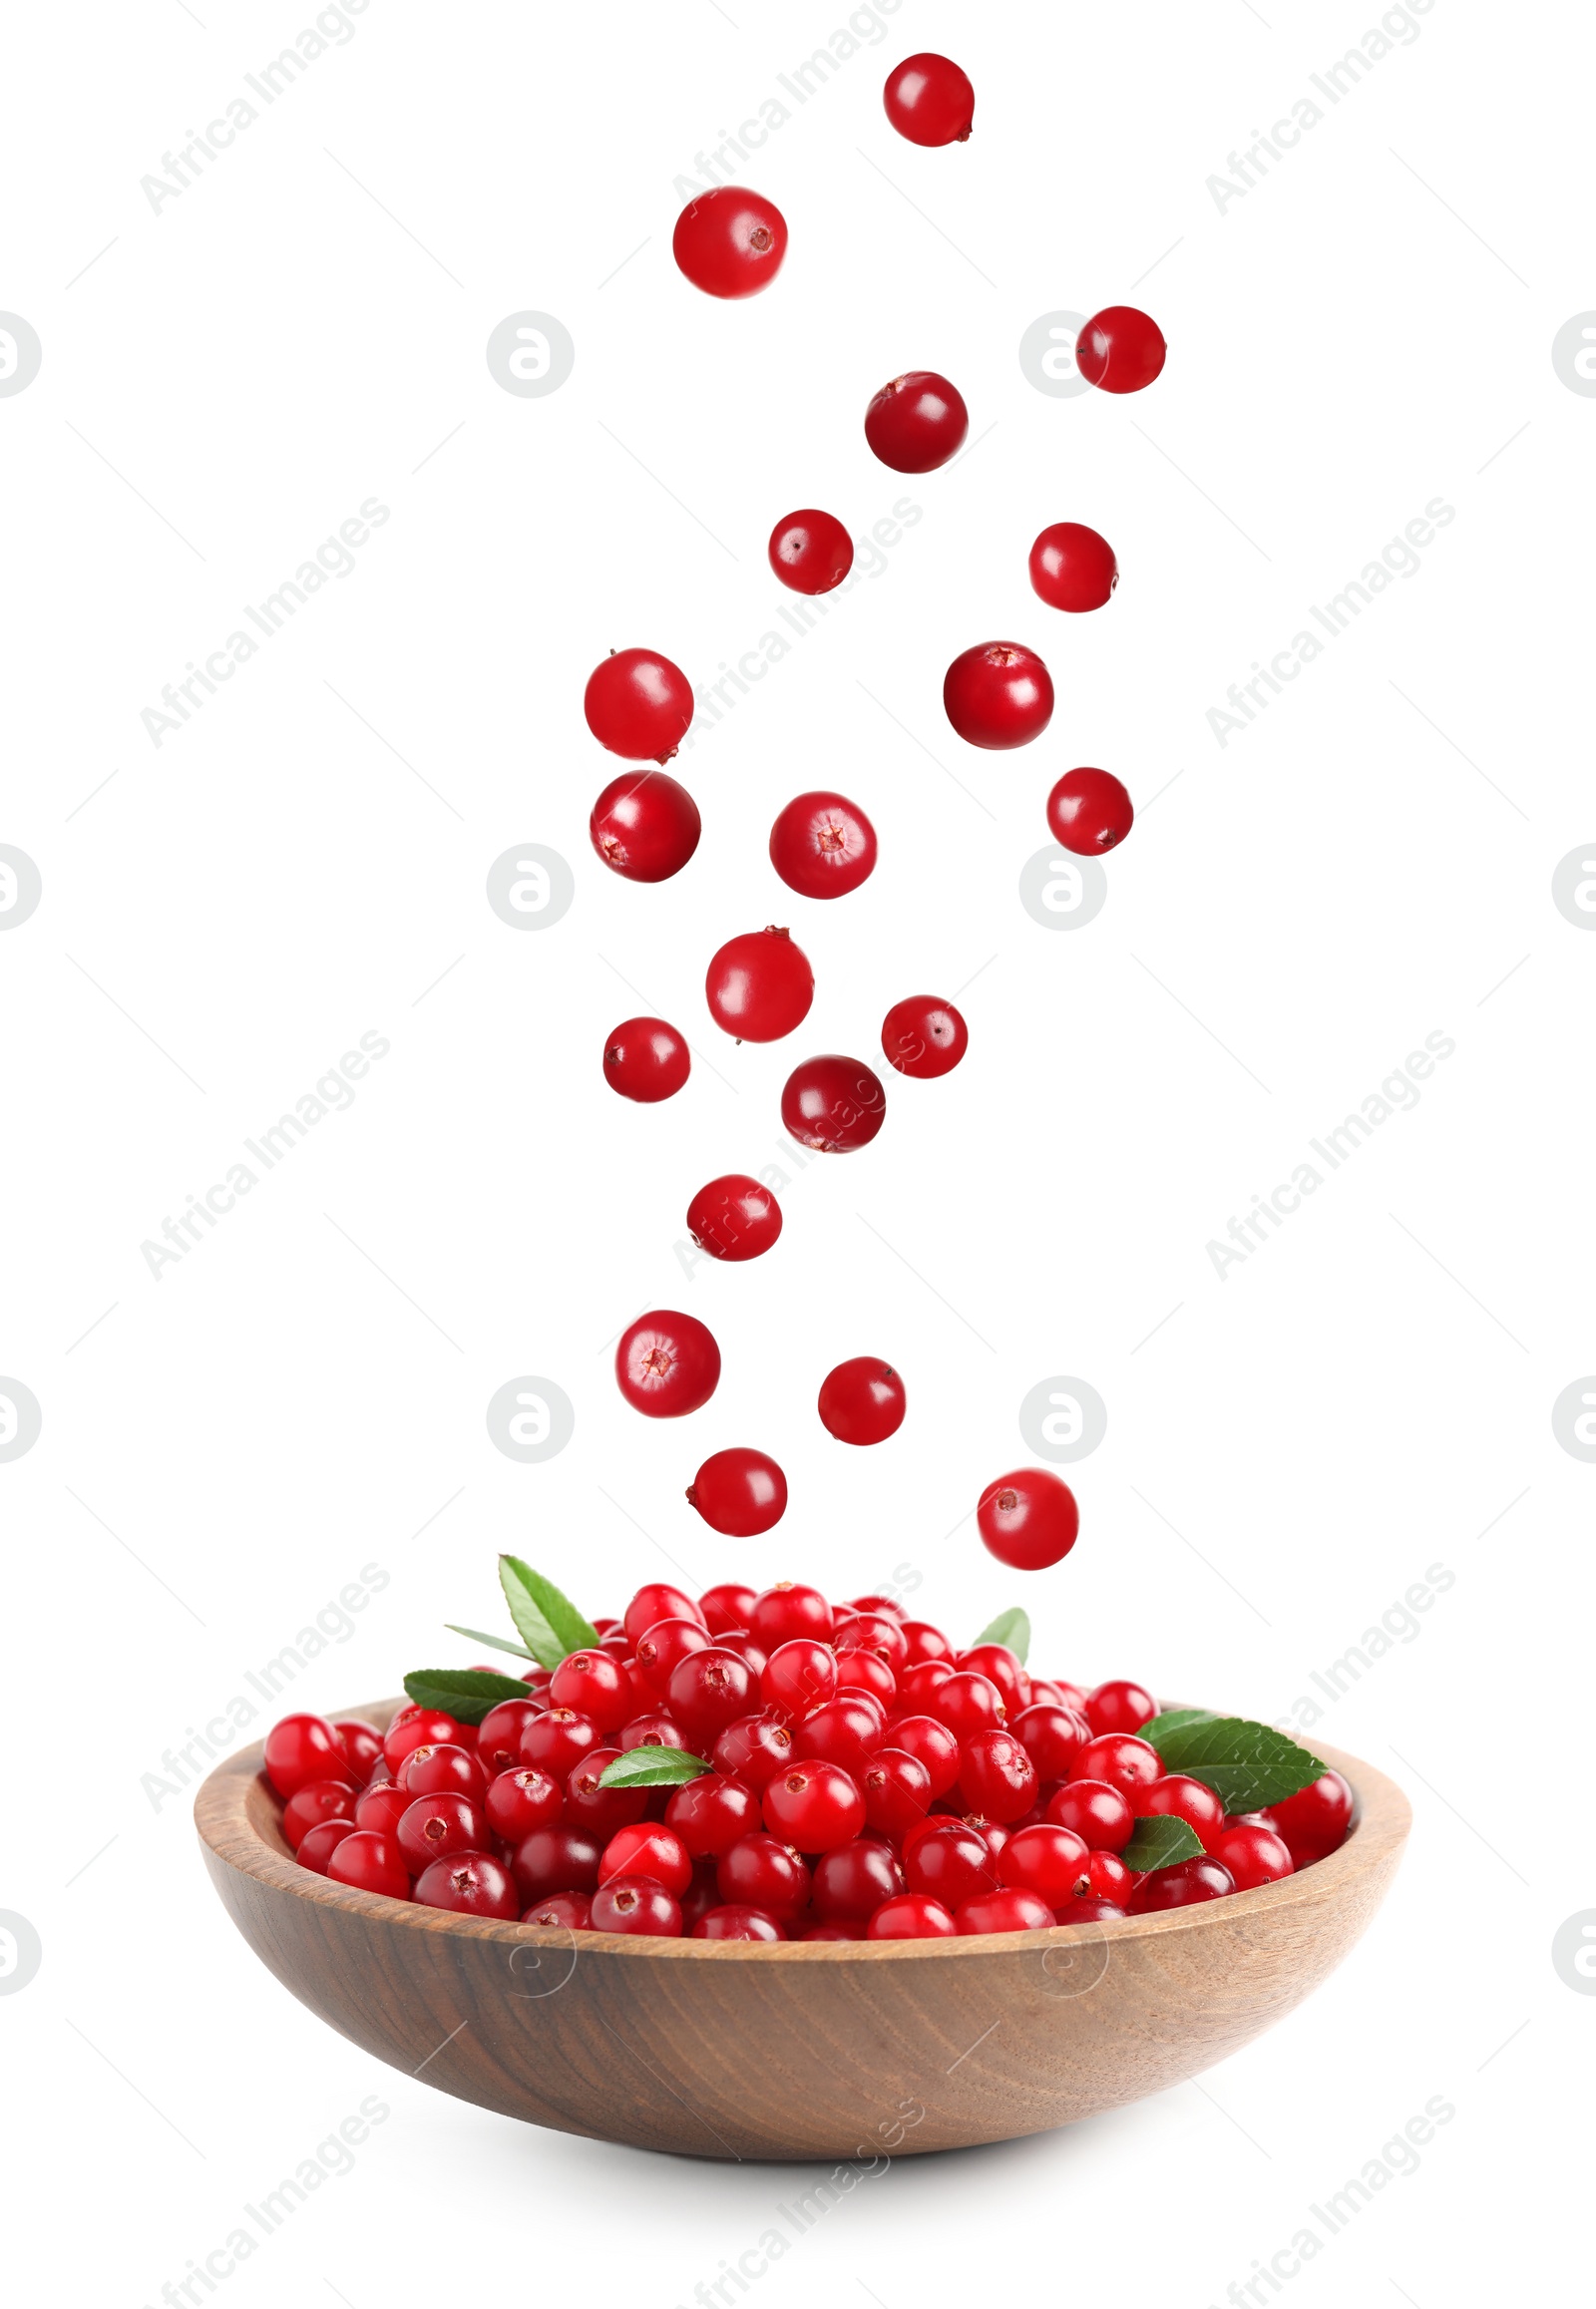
775,1767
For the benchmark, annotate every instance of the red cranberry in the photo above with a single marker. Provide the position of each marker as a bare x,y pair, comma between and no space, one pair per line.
833,1104
1028,1519
739,1491
789,1610
589,1805
968,1703
1125,1763
305,1747
896,1787
382,1809
1253,1854
556,1860
1314,1822
999,695
473,1884
595,1685
752,1654
1004,1912
1099,1813
648,1850
644,826
1002,1666
1090,811
658,1601
810,551
317,1844
812,1807
312,1802
730,1922
761,1871
853,1879
663,1648
709,1689
1089,1908
362,1745
952,1863
369,1863
930,1744
640,705
570,1910
667,1364
928,100
1107,1878
1055,1738
437,1828
558,1740
423,1728
924,1036
729,242
1178,1799
636,1904
918,1686
753,1750
862,1400
1072,567
734,1218
521,1800
1120,350
916,422
1119,1706
924,1643
731,1604
709,1815
912,1916
1044,1860
822,845
655,1730
499,1734
997,1775
1180,1886
844,1732
799,1676
760,985
646,1060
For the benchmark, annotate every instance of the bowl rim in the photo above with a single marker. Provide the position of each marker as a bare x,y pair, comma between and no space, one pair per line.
227,1812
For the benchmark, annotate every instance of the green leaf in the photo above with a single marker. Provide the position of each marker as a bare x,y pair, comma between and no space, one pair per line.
1011,1628
652,1768
1248,1765
547,1622
1160,1842
1172,1719
494,1643
466,1693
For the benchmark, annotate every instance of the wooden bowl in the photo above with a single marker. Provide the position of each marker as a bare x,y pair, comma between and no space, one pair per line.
827,2049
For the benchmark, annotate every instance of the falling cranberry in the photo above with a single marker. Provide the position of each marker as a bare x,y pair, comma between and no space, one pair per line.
833,1104
666,1365
923,1038
862,1400
810,551
730,242
760,985
998,694
822,845
638,704
930,101
644,826
916,422
734,1218
740,1492
646,1059
1120,350
1028,1519
1090,811
1072,567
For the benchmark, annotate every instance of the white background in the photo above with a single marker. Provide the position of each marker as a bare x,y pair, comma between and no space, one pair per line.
1288,1448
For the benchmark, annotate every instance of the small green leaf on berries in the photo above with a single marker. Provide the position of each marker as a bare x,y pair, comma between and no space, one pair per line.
1172,1720
1011,1628
1160,1842
547,1622
1248,1765
652,1768
466,1693
494,1643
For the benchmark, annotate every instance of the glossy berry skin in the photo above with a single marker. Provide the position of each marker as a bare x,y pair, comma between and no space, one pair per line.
644,826
812,1807
646,1059
1253,1854
739,1491
556,1860
1089,1908
866,1676
997,695
663,1648
810,551
923,1038
300,1748
425,1727
764,1872
521,1800
844,1732
918,1686
667,1364
1003,1667
1107,1878
655,1601
362,1745
862,1402
896,1787
652,1730
732,1603
951,1864
1003,1912
1044,1860
589,1805
968,1703
1090,811
567,1911
1053,1736
317,1844
926,1642
474,1884
595,1685
1178,1799
1181,1887
1072,567
760,985
636,1904
438,1827
930,1744
929,100
862,1630
1122,1760
912,1916
997,1775
729,1922
648,1849
1101,1815
1314,1821
443,1770
833,1104
712,1814
1028,1519
709,1691
916,422
734,1218
729,242
638,704
558,1740
1120,350
499,1734
753,1750
822,845
853,1879
370,1862
313,1803
789,1610
798,1676
1119,1706
383,1807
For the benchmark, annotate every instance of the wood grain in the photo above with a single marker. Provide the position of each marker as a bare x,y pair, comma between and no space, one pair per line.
833,2049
